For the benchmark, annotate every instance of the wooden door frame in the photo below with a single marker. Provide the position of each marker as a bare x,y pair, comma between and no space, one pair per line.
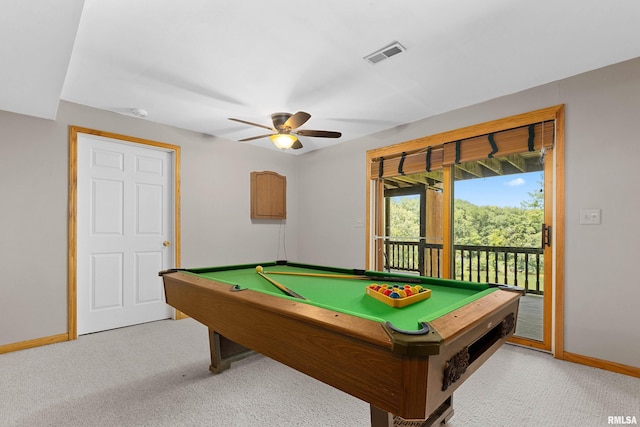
72,320
553,311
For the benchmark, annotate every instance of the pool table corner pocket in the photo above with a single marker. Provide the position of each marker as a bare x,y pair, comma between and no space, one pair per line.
424,342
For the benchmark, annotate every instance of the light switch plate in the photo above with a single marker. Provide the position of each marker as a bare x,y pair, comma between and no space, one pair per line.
590,216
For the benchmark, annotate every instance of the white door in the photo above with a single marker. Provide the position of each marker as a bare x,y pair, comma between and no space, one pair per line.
124,233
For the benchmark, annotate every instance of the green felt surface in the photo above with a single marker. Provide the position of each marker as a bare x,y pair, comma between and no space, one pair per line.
349,296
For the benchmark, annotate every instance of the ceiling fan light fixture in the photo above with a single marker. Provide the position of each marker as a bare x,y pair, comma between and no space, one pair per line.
285,135
283,140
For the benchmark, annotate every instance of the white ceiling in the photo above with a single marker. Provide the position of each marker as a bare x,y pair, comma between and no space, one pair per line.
195,63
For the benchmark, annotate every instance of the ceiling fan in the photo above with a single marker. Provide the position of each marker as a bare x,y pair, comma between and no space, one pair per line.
284,130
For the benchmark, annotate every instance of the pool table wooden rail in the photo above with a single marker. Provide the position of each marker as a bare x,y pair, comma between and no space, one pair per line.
353,354
223,304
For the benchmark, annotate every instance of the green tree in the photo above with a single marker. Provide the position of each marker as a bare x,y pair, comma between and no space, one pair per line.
479,225
404,214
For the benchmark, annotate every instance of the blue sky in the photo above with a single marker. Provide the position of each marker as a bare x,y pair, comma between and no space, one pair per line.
507,190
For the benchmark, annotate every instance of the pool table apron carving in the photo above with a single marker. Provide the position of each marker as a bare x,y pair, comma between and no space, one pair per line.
402,376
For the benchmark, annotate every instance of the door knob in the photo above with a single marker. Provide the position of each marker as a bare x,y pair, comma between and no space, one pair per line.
166,243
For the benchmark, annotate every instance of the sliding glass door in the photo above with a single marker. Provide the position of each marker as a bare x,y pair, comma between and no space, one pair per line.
498,223
476,207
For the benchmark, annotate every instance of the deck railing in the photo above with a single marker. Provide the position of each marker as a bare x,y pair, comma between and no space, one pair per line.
498,264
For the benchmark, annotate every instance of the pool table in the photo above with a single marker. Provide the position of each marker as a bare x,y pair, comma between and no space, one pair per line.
405,362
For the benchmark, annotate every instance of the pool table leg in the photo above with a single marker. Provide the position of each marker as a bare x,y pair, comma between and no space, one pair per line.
440,416
224,351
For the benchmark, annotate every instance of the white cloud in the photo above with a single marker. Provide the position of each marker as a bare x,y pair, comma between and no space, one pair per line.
515,182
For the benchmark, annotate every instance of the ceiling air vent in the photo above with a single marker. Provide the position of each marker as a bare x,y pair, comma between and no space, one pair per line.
384,53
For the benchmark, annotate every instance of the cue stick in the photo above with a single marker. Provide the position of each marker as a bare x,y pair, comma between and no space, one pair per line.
282,287
348,276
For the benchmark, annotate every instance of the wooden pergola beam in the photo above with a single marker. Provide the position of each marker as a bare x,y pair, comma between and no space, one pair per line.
517,162
494,165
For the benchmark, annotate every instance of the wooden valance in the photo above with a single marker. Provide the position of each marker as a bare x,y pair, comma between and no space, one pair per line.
413,163
498,144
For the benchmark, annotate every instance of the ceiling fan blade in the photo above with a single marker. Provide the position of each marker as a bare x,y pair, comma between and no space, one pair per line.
297,120
319,133
253,124
297,145
254,137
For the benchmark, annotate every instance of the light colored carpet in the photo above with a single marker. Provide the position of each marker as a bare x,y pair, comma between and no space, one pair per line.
157,374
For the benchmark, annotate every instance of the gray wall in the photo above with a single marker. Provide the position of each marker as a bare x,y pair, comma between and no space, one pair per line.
326,194
602,285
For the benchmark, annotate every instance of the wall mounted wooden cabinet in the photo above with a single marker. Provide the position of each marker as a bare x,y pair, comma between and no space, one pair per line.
268,195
